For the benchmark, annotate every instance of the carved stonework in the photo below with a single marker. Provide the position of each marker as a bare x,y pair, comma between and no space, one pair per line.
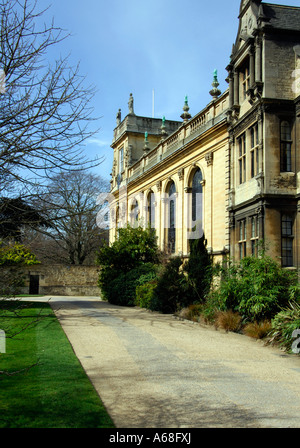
259,211
209,158
180,173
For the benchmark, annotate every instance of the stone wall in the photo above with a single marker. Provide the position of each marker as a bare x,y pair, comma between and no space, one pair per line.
62,280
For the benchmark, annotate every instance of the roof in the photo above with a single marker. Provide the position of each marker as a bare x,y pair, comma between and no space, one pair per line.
282,17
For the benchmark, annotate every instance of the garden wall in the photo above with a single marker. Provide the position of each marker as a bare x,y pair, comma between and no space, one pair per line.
61,280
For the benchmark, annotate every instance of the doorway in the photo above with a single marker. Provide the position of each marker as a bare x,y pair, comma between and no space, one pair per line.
34,284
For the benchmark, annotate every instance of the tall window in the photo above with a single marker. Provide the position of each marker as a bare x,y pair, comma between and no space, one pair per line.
151,209
254,235
134,213
121,160
242,239
196,196
285,147
242,158
254,150
287,240
245,81
172,218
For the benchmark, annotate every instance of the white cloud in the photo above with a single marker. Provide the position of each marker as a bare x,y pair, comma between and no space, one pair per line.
98,142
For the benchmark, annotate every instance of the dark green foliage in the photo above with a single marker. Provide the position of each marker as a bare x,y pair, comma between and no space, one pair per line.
131,257
169,295
133,246
121,289
15,214
144,293
199,271
255,287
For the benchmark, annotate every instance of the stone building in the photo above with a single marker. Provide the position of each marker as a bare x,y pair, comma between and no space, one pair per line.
232,170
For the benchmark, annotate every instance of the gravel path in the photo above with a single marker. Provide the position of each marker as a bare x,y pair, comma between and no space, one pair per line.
154,371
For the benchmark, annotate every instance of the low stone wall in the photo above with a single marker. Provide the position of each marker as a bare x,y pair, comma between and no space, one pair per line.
61,280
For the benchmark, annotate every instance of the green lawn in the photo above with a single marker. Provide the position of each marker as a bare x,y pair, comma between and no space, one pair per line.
55,393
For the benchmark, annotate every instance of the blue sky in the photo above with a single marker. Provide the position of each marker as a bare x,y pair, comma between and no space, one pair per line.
137,46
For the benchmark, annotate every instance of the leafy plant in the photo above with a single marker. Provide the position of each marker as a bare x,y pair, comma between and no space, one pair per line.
16,254
133,246
255,287
144,294
284,324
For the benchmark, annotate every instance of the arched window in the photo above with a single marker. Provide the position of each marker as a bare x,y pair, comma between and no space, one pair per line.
172,217
197,196
134,213
195,202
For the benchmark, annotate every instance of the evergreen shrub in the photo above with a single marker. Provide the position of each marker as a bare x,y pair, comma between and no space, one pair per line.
256,288
132,256
199,269
169,294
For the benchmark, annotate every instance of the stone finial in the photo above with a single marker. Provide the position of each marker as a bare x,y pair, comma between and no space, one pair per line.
130,105
186,116
215,92
146,147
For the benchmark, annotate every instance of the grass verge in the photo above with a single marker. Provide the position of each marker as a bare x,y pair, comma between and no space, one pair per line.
55,392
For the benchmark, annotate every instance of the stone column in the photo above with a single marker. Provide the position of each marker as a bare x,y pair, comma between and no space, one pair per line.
236,88
258,54
251,67
231,93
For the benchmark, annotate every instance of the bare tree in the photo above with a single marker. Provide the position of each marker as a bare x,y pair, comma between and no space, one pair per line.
70,206
45,110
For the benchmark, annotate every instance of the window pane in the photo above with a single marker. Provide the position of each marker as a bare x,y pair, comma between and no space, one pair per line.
286,131
252,164
285,147
196,196
252,137
287,240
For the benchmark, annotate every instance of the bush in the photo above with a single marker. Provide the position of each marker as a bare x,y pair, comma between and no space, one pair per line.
256,288
169,295
121,290
133,247
199,271
228,320
133,255
144,294
284,324
258,330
